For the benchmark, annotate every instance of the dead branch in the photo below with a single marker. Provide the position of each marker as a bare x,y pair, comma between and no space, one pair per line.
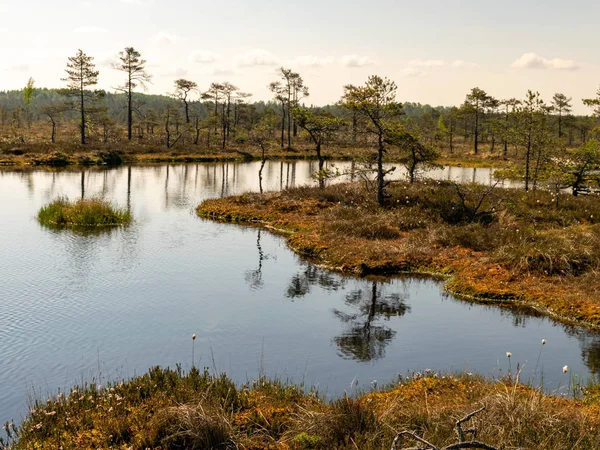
461,444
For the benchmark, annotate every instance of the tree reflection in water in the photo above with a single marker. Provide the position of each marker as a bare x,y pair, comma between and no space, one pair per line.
365,339
301,283
254,277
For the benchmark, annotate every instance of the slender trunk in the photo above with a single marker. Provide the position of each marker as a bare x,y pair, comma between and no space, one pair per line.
197,126
53,131
282,123
321,164
262,165
380,183
223,128
354,128
560,134
451,130
527,163
82,111
129,110
476,141
289,121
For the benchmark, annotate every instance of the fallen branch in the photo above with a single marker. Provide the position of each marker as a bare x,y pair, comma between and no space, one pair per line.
461,444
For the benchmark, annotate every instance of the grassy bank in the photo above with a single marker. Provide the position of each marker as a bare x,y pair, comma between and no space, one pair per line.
170,409
104,154
504,246
83,214
62,155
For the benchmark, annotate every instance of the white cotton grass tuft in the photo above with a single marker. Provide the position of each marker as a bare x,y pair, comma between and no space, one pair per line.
508,354
544,341
565,369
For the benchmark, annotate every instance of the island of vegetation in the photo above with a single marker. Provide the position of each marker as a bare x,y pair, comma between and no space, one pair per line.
83,214
171,409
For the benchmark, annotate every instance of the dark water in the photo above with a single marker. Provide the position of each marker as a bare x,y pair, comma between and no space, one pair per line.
112,305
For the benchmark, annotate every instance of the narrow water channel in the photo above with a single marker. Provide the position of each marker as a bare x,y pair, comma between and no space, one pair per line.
105,306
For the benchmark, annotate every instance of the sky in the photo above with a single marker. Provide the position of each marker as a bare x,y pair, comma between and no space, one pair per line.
435,51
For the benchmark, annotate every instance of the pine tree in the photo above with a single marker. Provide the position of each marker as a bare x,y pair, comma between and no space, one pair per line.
82,74
135,68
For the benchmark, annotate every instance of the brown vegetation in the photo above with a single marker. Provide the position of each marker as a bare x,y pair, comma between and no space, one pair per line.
499,245
169,409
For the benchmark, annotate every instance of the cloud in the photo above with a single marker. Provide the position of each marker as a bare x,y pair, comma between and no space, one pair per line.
164,37
177,72
204,57
223,72
535,61
90,30
413,72
312,61
256,57
356,61
23,67
426,63
458,63
133,2
107,61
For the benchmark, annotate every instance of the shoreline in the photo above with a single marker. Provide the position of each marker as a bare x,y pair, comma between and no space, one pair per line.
175,409
464,274
103,156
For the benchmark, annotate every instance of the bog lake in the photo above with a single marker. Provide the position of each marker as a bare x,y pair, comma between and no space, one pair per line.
110,305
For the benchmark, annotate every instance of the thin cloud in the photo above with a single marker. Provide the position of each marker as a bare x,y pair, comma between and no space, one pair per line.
177,72
534,61
356,61
426,63
256,57
90,30
413,72
223,72
459,63
204,57
164,37
312,61
20,67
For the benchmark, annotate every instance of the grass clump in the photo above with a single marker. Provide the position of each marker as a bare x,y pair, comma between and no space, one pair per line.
175,410
94,212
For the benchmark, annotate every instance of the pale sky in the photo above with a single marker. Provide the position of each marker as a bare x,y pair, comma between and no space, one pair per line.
434,50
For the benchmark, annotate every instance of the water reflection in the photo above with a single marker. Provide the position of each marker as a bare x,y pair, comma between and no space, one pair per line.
366,337
254,277
311,275
135,295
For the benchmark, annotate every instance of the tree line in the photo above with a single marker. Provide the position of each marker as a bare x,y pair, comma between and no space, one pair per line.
550,142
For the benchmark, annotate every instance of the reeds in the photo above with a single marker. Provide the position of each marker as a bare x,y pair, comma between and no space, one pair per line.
87,213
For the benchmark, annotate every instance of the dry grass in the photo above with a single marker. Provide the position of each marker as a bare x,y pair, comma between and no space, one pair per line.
169,409
507,245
